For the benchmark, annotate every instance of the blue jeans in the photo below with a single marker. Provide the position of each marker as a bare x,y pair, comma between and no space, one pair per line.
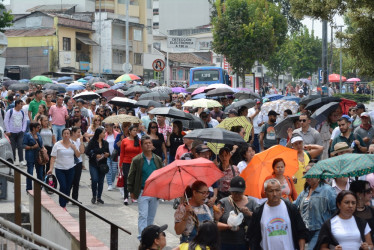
97,181
76,180
147,207
16,141
256,143
30,170
65,179
111,175
57,130
313,241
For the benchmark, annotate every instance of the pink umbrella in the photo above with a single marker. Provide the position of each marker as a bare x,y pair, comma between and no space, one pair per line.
216,86
198,90
336,78
101,85
354,80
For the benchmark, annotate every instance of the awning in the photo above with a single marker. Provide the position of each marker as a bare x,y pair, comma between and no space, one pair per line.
86,40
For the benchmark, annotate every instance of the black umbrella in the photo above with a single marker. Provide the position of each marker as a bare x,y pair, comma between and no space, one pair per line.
219,92
19,86
282,127
323,112
96,79
245,94
147,104
137,89
317,103
57,87
122,102
308,99
195,123
218,135
237,105
155,96
89,95
100,91
7,83
193,87
170,112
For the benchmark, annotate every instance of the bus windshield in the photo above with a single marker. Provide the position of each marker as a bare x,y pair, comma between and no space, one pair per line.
205,75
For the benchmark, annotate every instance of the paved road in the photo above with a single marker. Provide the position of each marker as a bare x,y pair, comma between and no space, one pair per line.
115,211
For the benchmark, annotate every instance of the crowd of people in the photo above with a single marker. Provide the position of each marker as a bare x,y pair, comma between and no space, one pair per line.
295,212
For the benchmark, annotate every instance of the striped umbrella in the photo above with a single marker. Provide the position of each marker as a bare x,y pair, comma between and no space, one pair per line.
127,77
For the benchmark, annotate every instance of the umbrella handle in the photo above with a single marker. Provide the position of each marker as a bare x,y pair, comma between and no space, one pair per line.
185,194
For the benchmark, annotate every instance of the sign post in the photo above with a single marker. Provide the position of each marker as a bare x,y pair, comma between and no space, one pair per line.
181,42
158,65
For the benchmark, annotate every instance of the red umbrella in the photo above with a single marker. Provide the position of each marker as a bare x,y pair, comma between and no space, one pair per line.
170,182
101,85
111,93
336,78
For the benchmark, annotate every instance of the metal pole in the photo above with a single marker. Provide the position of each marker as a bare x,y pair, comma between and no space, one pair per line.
100,38
167,69
331,48
324,52
341,61
127,37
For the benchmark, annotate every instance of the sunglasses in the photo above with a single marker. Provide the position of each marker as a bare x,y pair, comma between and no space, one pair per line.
153,127
302,120
115,127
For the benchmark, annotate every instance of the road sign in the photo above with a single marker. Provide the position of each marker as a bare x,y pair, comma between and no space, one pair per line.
181,42
158,65
129,67
320,74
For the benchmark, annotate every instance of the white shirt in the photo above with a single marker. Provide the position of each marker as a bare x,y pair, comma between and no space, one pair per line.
77,144
335,133
110,139
257,120
347,233
25,109
213,122
276,228
242,165
64,156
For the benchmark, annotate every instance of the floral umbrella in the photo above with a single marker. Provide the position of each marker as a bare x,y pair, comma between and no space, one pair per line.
347,165
127,77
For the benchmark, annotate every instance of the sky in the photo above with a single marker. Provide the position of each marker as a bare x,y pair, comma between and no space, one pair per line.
338,20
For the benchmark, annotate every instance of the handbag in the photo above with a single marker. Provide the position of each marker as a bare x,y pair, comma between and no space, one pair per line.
114,155
42,157
120,180
103,168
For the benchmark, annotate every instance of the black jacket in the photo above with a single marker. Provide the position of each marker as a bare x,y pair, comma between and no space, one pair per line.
325,235
299,231
93,149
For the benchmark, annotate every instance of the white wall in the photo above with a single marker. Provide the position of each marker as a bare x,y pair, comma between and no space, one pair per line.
106,44
20,6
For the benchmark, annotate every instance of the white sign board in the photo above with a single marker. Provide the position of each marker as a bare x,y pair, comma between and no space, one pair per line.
124,67
3,43
181,42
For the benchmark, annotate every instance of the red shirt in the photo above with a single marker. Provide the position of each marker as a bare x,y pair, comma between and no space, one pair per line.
128,151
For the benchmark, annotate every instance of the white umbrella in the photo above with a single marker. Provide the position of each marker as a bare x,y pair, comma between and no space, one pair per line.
89,95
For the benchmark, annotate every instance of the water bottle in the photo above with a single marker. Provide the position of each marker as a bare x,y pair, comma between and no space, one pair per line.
353,144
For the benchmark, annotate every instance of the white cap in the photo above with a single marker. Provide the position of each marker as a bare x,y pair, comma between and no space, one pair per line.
296,138
301,91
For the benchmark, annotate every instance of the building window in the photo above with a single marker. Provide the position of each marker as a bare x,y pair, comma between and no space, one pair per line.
66,43
155,25
149,49
155,12
218,59
118,56
149,4
149,26
157,46
174,74
186,74
138,35
138,58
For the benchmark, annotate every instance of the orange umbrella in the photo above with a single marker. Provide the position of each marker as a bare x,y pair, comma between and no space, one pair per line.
261,166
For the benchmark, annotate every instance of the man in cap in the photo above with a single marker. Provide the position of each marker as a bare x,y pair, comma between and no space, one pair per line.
342,183
360,108
278,223
186,151
309,134
232,113
203,151
153,237
365,130
301,93
347,136
204,116
267,134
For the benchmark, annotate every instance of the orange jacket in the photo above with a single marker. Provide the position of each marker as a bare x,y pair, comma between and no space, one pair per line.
292,196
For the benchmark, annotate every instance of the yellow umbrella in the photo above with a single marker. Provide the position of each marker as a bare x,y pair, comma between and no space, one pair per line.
202,103
227,124
121,118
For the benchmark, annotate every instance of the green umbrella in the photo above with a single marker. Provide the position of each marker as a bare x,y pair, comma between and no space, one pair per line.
40,80
347,165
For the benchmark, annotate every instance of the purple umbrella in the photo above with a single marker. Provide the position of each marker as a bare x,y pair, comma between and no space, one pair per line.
179,90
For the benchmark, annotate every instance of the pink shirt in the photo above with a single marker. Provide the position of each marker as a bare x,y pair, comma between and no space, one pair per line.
58,115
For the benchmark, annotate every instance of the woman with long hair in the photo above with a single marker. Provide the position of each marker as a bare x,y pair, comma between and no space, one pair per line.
207,237
42,110
191,213
158,141
130,147
32,143
110,137
62,160
48,137
174,140
246,155
77,139
345,230
97,151
96,122
287,185
316,204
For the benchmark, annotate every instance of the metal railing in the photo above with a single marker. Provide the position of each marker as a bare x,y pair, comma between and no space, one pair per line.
37,208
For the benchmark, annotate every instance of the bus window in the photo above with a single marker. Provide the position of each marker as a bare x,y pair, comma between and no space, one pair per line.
205,75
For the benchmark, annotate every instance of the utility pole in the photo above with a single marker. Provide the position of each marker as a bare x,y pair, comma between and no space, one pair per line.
127,37
341,59
324,52
100,38
331,48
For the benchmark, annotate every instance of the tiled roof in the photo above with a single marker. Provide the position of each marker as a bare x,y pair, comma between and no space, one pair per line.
188,58
29,32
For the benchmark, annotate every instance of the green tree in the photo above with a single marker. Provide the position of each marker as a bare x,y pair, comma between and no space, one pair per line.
6,18
305,53
247,30
279,62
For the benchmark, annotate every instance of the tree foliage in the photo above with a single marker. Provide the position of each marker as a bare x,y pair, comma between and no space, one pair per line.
6,18
294,24
279,62
247,30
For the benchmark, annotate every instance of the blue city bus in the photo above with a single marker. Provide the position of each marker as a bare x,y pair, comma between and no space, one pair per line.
209,75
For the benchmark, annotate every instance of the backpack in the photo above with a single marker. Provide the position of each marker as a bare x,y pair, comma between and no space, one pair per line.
11,113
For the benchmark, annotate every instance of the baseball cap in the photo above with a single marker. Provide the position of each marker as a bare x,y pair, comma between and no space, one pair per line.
195,143
366,114
201,148
301,91
347,117
80,100
151,233
360,106
233,111
296,138
272,112
237,184
206,111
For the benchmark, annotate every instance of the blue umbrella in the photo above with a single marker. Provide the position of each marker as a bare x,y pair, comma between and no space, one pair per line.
199,96
87,78
24,80
75,86
118,85
304,80
65,79
273,97
291,98
82,80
